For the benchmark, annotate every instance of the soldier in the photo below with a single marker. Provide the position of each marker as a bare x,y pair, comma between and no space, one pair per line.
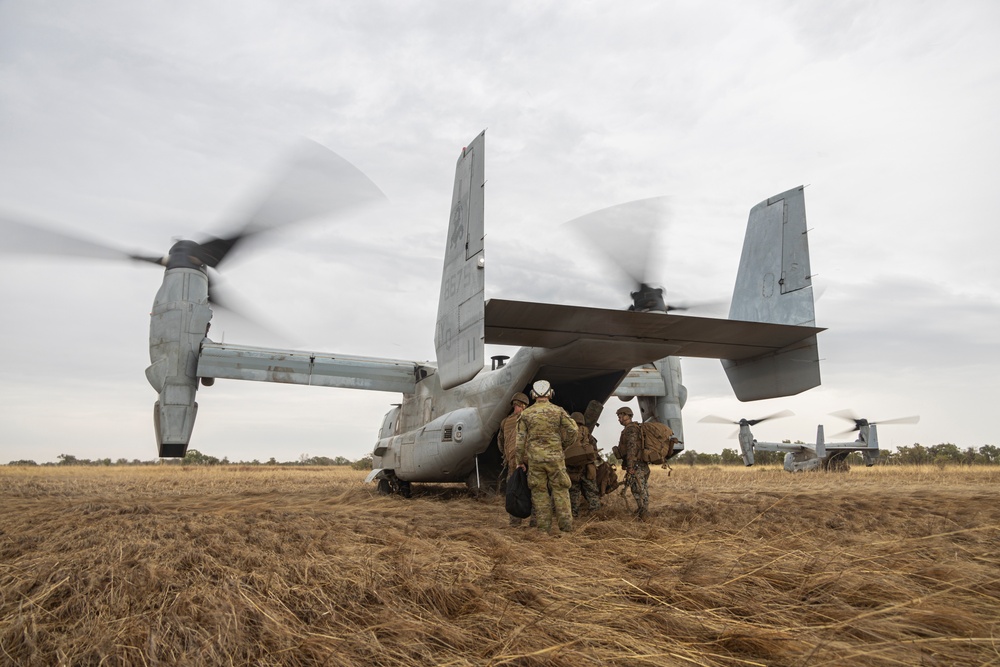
583,472
507,441
543,431
636,470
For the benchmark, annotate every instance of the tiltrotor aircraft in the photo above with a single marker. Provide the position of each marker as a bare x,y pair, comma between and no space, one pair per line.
801,457
445,427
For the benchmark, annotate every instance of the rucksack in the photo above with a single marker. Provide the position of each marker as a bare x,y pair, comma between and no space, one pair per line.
607,478
580,453
657,442
518,500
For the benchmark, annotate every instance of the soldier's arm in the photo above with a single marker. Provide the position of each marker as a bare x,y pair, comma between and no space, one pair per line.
522,439
569,428
632,446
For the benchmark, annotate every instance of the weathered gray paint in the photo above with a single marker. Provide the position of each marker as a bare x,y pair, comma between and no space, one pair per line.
458,337
178,324
773,285
242,362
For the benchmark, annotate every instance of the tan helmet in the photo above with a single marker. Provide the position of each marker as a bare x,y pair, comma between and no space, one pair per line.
542,389
624,411
519,398
578,418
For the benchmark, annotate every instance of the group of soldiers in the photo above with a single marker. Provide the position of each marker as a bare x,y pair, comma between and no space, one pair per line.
562,460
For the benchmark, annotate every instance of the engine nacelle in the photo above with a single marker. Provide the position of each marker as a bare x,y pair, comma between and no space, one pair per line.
667,407
177,326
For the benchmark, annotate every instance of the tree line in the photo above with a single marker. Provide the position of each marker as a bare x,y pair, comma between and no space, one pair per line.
916,454
194,457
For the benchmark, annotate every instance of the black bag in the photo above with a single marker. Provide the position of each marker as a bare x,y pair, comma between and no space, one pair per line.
518,494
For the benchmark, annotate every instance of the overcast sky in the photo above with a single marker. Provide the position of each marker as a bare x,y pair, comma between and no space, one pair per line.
135,123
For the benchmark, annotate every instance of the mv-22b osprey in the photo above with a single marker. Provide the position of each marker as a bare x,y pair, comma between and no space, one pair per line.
445,428
821,455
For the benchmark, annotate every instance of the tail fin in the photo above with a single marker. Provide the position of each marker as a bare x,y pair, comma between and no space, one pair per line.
458,338
871,454
774,285
820,442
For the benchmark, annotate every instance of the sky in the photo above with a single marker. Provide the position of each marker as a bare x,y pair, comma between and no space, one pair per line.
136,123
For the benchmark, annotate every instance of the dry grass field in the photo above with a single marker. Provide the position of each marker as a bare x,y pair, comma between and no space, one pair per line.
277,566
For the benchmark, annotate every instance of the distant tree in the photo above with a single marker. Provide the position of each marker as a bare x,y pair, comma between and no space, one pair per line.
22,462
272,461
916,454
990,453
68,460
364,463
730,457
194,457
946,453
708,459
341,461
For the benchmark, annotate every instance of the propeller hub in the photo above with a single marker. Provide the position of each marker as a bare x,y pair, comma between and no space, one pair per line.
648,299
185,255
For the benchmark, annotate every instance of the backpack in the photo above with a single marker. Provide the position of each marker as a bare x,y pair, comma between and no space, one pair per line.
581,452
518,500
607,478
657,442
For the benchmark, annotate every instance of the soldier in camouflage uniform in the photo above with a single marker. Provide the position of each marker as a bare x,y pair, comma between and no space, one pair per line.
583,477
543,431
507,442
636,470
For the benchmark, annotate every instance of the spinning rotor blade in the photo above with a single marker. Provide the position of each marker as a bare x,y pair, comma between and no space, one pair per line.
629,237
776,415
314,182
849,415
626,234
224,300
714,419
30,238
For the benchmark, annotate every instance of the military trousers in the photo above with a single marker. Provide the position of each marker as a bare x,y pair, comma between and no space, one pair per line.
587,489
639,483
543,475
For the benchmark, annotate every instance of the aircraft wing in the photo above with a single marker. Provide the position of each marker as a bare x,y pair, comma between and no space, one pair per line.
241,362
552,326
786,447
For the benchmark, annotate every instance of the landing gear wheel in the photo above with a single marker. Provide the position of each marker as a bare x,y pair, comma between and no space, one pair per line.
404,489
384,487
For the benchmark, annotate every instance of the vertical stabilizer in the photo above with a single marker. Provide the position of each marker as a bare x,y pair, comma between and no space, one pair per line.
458,337
820,442
871,454
774,285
